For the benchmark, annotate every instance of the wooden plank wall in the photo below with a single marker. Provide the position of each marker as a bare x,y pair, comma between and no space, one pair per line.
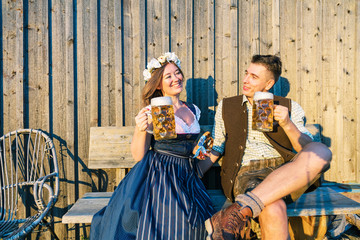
69,65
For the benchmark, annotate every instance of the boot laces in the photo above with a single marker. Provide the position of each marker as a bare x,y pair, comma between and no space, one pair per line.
235,221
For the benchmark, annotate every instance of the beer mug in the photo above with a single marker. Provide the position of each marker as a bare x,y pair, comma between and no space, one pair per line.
163,117
263,112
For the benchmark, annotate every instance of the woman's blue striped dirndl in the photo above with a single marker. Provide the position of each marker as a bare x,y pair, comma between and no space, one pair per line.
162,197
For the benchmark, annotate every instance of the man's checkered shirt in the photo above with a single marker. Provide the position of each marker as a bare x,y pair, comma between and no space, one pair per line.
257,145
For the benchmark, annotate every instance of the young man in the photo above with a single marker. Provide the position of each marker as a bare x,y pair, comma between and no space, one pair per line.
260,172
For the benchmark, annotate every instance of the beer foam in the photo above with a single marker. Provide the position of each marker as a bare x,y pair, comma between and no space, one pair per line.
160,101
263,95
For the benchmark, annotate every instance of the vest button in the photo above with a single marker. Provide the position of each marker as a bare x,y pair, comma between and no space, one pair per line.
231,181
237,164
241,147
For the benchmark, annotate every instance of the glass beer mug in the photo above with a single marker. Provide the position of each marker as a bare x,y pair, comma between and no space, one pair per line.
163,117
263,112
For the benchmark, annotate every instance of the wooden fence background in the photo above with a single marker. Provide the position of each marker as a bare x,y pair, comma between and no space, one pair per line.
67,65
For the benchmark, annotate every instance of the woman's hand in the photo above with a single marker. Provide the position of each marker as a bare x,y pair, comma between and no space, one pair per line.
142,121
203,146
141,139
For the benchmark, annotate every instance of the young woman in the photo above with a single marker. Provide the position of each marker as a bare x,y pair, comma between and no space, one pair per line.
162,197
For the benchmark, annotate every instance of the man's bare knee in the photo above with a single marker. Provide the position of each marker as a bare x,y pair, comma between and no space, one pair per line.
320,152
319,149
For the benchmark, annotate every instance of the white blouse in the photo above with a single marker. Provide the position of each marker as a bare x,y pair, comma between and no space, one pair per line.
182,127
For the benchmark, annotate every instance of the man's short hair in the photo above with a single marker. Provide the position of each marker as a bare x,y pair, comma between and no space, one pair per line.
271,62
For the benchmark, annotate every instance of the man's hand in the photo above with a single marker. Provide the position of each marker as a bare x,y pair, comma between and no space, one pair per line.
281,114
297,138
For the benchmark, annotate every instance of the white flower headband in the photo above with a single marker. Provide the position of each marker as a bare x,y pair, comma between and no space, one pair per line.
157,63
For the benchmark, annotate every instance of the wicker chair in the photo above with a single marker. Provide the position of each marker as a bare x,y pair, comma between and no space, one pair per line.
29,181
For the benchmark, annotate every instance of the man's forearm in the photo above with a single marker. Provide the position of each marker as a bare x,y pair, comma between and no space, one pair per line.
297,138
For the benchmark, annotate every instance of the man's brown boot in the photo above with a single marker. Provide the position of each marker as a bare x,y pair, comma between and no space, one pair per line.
230,223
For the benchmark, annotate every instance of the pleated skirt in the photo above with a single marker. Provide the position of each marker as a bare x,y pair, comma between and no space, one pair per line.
160,198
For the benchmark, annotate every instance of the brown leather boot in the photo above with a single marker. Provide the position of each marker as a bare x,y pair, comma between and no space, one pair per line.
231,223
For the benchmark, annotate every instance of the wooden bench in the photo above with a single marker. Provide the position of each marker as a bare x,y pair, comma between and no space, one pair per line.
110,148
322,201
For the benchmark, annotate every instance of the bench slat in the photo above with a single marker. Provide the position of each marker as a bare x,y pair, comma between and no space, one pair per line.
322,201
85,208
110,147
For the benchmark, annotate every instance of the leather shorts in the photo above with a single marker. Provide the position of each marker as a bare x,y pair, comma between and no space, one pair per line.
253,174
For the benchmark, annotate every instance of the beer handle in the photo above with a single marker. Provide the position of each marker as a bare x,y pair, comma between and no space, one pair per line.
149,116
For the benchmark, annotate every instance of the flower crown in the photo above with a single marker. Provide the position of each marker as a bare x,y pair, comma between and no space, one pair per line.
157,63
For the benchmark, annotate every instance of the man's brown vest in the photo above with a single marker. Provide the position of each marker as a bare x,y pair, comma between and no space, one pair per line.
236,126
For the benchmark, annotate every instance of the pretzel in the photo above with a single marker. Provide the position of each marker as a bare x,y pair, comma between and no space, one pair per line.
204,146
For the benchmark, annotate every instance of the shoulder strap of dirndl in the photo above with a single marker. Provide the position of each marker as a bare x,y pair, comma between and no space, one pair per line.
191,107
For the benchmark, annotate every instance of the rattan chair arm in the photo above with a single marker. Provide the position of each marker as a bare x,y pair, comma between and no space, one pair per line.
38,191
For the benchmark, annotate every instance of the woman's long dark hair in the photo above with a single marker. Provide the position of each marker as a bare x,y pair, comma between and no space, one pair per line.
150,90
